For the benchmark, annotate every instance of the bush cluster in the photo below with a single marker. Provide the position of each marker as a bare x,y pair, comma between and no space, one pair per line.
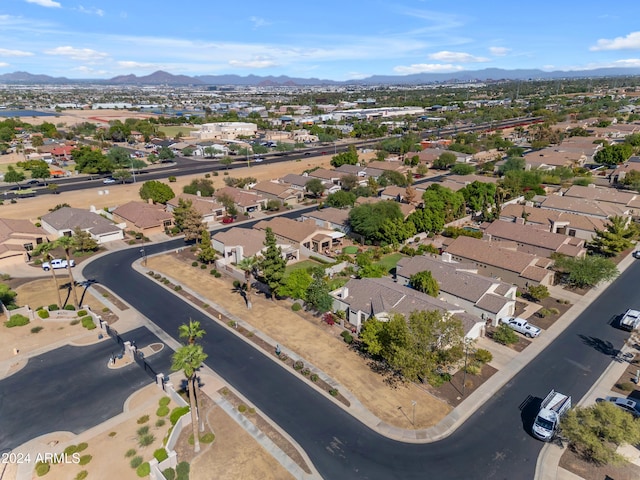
176,413
42,313
16,320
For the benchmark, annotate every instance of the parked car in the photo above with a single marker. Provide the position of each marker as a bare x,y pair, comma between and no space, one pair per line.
57,263
109,180
630,320
227,220
522,326
636,254
630,406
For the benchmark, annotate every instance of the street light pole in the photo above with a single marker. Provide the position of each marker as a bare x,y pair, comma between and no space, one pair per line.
466,356
413,404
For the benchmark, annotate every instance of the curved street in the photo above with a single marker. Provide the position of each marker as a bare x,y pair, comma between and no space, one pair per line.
493,443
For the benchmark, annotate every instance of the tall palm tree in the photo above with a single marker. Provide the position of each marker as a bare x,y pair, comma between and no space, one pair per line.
46,248
67,243
249,266
189,359
191,331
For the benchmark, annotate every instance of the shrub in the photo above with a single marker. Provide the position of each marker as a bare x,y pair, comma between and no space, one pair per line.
75,321
305,372
296,307
164,401
42,468
347,337
538,292
82,313
473,369
160,422
130,453
217,274
53,307
483,356
82,474
177,288
82,447
169,474
237,284
70,450
105,309
505,335
88,323
162,411
135,462
554,311
333,392
626,386
213,271
43,313
313,377
161,455
203,266
143,430
16,320
194,264
112,434
172,179
143,419
242,408
182,469
298,365
70,307
36,329
544,312
176,413
146,440
84,459
207,437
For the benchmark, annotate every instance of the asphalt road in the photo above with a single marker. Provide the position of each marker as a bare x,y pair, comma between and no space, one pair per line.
72,389
493,444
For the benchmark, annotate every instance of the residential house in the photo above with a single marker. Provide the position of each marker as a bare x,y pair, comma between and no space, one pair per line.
581,206
511,266
305,235
239,243
566,223
332,218
327,176
604,195
533,239
462,286
278,191
145,218
395,193
211,210
381,298
17,239
245,201
554,157
63,222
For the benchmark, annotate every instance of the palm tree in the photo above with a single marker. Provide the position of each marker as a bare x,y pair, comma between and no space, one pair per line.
67,243
191,331
46,248
248,265
189,359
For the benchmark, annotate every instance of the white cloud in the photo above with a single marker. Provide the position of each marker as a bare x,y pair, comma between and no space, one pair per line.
630,42
459,57
127,64
257,62
499,51
4,64
89,71
14,53
426,68
259,22
91,11
83,54
45,3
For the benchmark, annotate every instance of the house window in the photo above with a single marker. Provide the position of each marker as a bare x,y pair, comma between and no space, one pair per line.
572,233
28,246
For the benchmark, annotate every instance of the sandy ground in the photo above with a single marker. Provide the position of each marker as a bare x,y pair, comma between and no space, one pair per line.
320,344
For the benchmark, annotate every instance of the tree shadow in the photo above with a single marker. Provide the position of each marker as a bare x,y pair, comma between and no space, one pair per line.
602,346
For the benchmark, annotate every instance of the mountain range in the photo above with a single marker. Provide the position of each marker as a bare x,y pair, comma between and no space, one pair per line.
164,78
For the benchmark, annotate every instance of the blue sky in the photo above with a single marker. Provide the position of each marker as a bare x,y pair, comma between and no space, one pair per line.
337,40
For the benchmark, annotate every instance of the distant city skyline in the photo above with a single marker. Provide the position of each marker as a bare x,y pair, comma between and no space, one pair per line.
330,40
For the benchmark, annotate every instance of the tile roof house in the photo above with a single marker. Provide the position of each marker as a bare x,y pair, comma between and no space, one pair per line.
65,220
534,240
17,239
552,157
278,191
600,194
508,265
239,243
146,218
366,298
245,201
332,218
581,206
305,235
480,296
208,207
567,223
297,182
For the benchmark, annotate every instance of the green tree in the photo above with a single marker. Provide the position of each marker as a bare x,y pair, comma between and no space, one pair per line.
505,335
7,296
83,241
350,157
189,359
390,177
614,154
191,331
341,199
586,271
367,268
349,182
369,219
444,161
227,201
91,161
207,253
45,249
595,432
165,154
122,175
479,196
202,185
67,243
272,265
444,202
511,164
315,187
13,176
188,220
616,237
296,284
41,171
317,295
538,292
425,283
462,169
156,191
632,180
249,265
226,161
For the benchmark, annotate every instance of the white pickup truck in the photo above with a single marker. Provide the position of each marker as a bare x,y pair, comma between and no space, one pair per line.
631,320
522,326
553,407
57,263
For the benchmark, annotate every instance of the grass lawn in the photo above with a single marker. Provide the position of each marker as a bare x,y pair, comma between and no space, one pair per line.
304,264
171,131
390,261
